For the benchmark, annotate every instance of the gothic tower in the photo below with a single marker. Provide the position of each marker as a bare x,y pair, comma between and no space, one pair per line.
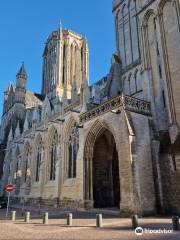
20,93
65,67
14,104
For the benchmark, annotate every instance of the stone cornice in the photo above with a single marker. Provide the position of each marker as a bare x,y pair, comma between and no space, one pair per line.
129,103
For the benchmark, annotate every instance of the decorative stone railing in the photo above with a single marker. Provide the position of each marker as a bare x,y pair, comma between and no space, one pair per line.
137,105
71,106
129,103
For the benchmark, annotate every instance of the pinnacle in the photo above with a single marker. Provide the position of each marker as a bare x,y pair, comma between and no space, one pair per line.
22,70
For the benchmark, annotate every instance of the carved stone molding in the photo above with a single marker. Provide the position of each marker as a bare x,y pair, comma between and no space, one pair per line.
71,106
129,103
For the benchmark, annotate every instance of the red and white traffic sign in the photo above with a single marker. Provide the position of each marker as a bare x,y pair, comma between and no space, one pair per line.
9,188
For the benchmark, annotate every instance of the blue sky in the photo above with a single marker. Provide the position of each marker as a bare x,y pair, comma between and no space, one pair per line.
25,25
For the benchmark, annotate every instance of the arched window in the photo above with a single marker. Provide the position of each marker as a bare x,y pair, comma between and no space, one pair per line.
17,164
38,160
127,37
73,146
134,30
128,34
73,61
64,64
53,157
27,172
135,83
71,64
17,171
120,37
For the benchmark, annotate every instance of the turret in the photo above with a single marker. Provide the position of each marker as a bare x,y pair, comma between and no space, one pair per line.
21,77
20,93
85,65
84,94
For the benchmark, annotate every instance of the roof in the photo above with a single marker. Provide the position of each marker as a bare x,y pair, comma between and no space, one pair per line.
22,70
32,99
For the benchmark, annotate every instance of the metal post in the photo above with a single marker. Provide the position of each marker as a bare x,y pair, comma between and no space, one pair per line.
69,219
7,205
22,210
13,216
134,221
45,218
27,217
175,223
98,220
39,208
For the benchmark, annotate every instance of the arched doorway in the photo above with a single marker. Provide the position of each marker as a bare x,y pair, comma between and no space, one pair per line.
101,168
105,166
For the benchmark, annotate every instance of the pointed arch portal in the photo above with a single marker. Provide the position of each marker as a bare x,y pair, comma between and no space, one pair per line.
102,182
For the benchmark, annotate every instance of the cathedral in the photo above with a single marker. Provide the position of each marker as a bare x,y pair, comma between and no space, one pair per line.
112,144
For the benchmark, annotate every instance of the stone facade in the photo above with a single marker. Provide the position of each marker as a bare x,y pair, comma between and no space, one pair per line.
113,144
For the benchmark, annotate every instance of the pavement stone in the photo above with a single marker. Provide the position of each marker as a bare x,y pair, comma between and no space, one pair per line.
84,227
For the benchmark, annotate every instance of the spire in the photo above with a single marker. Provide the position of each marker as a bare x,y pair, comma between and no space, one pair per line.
60,24
10,136
21,77
22,71
85,45
26,123
10,88
60,28
17,131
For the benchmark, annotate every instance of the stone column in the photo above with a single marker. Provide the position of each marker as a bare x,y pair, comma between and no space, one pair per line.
135,176
125,169
88,188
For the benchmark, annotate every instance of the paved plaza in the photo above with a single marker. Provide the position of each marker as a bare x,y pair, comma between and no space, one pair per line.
84,227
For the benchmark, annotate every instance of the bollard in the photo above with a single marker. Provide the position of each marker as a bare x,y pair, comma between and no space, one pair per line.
39,208
69,219
27,217
22,210
134,221
175,223
13,217
45,218
98,220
